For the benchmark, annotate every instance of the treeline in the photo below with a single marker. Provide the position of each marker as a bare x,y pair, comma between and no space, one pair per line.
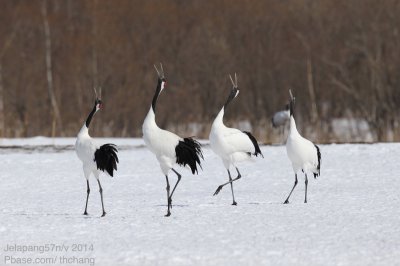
341,59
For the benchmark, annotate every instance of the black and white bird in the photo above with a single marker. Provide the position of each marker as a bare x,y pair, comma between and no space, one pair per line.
281,118
95,159
303,154
169,148
231,144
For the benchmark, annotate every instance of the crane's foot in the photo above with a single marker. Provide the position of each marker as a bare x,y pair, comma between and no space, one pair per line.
286,202
234,203
305,201
168,214
170,202
218,190
104,214
85,213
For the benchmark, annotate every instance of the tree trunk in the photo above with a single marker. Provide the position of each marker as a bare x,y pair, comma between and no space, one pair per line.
2,118
94,51
49,73
311,90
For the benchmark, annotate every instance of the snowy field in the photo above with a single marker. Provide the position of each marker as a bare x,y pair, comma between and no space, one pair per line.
352,218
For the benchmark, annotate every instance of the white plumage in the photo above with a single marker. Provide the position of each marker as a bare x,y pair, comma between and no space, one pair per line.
169,148
85,148
160,142
231,144
303,154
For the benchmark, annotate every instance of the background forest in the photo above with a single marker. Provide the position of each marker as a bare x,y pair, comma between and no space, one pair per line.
340,58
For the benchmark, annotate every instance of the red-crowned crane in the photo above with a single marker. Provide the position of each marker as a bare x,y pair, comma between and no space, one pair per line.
231,144
95,159
303,154
169,148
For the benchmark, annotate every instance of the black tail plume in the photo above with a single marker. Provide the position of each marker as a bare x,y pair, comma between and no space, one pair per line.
106,158
188,152
256,147
319,162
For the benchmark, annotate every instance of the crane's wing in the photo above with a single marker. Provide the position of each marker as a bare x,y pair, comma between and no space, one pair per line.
238,141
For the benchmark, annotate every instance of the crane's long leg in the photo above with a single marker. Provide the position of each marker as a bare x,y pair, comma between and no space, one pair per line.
306,182
168,198
295,183
101,195
230,182
233,195
239,175
176,184
87,197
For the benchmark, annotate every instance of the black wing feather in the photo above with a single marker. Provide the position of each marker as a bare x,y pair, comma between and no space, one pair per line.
106,158
253,139
319,162
188,152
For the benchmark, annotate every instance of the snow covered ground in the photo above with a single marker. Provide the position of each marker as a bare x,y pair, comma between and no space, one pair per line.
352,218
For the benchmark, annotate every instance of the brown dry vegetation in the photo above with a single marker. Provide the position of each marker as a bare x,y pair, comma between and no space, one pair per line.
341,58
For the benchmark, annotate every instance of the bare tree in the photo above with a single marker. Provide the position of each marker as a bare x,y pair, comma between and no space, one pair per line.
94,51
57,122
2,117
6,45
341,58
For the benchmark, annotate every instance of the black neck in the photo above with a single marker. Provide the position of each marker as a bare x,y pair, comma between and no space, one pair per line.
230,97
291,107
158,89
89,119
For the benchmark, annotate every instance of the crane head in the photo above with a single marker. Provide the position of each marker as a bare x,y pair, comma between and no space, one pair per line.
235,88
161,77
98,102
234,92
291,102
